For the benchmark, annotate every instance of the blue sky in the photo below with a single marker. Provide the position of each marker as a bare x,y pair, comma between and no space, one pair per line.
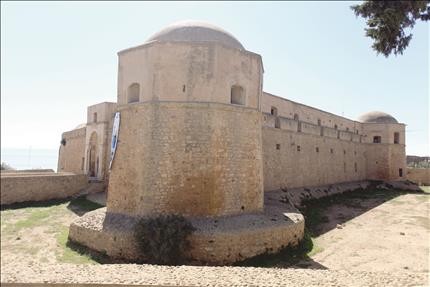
59,57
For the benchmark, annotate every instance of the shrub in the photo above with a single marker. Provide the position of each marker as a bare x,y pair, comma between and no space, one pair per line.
163,239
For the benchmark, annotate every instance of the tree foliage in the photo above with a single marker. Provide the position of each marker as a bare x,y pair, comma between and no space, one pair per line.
388,20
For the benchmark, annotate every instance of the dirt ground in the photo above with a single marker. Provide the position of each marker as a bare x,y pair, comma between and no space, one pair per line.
375,235
380,232
37,233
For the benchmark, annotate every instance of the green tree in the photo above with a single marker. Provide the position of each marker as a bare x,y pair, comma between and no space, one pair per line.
388,20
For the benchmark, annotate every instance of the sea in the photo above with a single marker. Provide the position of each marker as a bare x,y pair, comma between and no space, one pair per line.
30,158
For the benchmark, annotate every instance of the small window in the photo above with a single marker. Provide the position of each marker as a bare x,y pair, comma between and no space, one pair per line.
355,166
296,117
298,148
400,172
319,122
274,111
82,163
335,127
277,123
344,151
317,149
331,150
133,93
347,129
183,88
95,117
237,95
377,139
299,126
344,167
355,153
396,138
278,146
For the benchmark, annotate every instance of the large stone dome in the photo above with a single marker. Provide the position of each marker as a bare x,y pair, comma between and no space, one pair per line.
196,31
377,117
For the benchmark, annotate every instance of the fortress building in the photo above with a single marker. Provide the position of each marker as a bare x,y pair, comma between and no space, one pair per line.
200,138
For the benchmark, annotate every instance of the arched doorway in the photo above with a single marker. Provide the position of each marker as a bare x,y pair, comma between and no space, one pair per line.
92,156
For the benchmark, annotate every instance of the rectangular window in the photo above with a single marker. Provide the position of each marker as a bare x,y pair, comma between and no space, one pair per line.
317,149
355,166
278,146
277,123
95,117
331,150
400,172
298,148
377,139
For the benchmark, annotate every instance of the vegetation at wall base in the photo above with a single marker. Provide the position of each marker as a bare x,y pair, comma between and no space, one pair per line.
163,239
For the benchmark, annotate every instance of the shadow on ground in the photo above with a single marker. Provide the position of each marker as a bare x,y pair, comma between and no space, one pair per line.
81,205
27,204
289,257
323,215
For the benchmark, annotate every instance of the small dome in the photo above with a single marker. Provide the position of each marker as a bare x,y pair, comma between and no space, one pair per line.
377,117
195,31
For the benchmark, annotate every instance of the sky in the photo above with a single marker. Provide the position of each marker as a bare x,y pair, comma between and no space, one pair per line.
57,58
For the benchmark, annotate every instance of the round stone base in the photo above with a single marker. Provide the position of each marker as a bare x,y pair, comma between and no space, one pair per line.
216,240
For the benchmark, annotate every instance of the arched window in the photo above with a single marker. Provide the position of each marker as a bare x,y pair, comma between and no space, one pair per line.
274,111
396,138
237,95
133,93
296,117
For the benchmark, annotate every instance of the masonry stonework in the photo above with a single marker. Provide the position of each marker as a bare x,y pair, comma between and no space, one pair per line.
194,159
71,155
199,138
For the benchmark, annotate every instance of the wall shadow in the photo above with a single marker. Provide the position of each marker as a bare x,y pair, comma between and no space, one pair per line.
81,205
324,214
26,204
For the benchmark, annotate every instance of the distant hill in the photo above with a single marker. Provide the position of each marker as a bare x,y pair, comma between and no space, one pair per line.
418,161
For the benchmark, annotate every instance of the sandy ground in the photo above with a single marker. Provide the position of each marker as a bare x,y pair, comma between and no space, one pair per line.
361,244
391,237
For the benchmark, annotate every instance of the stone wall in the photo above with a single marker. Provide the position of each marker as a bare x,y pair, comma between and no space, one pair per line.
288,109
39,187
99,125
188,72
187,158
71,156
296,159
420,176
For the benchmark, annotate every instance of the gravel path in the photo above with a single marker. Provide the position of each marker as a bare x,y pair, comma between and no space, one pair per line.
130,274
